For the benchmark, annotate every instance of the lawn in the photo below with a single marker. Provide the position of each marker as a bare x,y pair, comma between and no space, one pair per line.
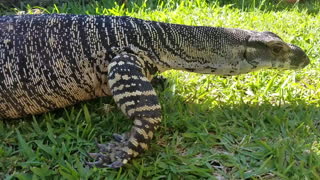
261,125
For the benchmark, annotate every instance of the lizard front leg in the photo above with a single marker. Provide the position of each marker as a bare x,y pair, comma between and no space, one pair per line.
135,96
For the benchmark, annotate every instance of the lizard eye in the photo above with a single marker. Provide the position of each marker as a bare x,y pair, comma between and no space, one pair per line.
276,49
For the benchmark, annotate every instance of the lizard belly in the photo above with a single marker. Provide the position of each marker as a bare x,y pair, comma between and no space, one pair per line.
15,103
21,102
40,90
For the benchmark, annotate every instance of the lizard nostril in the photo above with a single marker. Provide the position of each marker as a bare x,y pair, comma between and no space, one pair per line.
305,62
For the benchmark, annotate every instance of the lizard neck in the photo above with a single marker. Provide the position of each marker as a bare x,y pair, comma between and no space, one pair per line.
191,48
200,49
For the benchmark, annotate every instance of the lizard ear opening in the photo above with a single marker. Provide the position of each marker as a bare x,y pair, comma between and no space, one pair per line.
278,47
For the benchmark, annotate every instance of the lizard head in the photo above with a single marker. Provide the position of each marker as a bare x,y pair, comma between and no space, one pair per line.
268,50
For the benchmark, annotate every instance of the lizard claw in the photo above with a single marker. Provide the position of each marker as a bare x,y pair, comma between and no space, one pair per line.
101,164
115,165
101,160
95,163
104,148
94,155
110,155
119,137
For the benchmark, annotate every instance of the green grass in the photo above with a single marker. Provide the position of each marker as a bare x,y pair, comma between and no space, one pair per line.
262,125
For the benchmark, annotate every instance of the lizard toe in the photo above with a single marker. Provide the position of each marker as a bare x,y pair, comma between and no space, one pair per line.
115,165
111,155
120,137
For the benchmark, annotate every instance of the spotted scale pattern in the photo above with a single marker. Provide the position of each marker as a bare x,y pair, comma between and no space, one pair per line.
53,61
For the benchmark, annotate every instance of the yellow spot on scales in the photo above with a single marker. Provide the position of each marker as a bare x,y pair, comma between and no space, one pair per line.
137,122
125,161
119,88
134,141
142,132
124,105
135,93
144,146
153,120
135,154
125,77
132,152
144,108
121,63
150,134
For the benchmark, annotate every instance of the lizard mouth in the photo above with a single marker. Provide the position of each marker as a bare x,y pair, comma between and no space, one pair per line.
299,58
304,63
245,58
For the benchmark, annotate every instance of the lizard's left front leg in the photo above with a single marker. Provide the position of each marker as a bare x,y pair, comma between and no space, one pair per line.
135,96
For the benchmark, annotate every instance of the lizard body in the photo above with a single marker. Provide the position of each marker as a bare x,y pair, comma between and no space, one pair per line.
53,61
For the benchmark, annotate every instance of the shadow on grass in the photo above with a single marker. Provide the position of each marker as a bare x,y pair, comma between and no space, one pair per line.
265,115
255,139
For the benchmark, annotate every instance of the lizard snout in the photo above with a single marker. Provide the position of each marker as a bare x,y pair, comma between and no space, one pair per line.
305,62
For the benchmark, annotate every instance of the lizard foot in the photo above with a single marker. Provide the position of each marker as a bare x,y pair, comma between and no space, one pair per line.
159,81
111,155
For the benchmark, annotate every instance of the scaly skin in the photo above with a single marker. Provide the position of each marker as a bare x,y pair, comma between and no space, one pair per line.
53,61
